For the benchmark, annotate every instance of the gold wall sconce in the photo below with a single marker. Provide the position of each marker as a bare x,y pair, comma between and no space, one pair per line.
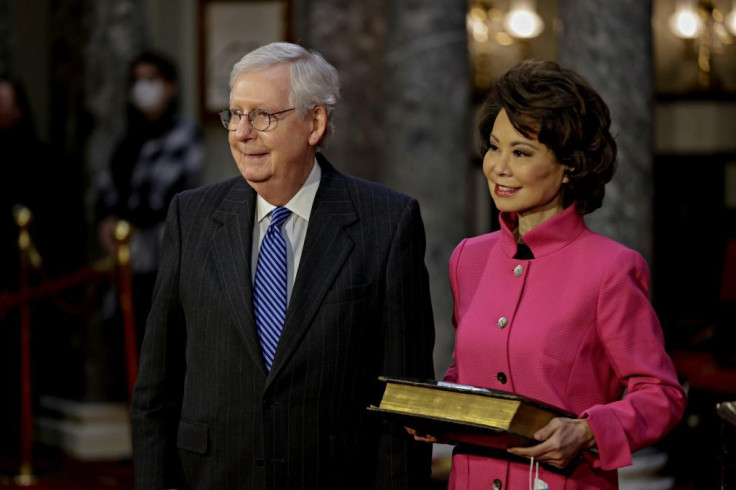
490,27
706,29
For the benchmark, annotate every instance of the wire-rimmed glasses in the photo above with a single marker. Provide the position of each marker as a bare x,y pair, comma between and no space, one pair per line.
259,119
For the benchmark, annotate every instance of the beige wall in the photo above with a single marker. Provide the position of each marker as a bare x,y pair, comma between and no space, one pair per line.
695,126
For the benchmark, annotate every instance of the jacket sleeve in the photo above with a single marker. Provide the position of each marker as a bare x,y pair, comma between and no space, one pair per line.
408,344
157,398
451,373
654,400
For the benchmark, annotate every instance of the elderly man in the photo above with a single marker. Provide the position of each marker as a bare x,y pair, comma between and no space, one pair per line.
281,297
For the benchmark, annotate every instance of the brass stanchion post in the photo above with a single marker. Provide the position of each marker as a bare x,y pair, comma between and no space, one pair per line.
28,257
125,287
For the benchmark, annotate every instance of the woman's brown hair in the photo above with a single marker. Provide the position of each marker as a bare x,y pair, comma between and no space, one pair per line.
566,114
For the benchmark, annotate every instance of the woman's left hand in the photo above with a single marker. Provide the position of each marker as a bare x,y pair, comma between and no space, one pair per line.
562,439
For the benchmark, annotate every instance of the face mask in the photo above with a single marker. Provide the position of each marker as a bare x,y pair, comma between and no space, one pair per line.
147,94
534,482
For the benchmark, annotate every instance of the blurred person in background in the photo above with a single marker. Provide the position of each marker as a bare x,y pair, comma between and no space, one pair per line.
36,175
17,139
160,154
18,142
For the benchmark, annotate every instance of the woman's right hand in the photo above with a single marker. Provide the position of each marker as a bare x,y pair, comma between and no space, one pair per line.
425,437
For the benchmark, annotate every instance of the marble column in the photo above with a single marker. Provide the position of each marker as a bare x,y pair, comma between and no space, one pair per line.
610,44
68,118
354,42
117,33
4,37
404,119
427,123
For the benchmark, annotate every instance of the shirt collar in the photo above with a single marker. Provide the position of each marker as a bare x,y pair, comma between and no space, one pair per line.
301,203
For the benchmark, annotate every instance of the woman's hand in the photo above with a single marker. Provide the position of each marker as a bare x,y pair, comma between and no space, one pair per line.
424,437
562,440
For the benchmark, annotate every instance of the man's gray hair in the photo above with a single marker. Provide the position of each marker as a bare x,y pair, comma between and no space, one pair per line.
314,81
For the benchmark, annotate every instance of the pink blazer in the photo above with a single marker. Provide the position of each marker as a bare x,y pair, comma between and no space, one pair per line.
572,327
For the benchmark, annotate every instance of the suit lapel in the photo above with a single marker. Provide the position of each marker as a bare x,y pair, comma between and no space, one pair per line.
326,247
233,245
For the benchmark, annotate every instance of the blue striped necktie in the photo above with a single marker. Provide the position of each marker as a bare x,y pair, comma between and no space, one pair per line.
269,292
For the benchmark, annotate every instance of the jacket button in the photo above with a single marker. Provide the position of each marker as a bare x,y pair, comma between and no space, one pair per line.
260,463
497,485
518,270
501,377
268,403
502,322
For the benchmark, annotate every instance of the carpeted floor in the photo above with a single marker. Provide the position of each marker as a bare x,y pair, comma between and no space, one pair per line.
56,472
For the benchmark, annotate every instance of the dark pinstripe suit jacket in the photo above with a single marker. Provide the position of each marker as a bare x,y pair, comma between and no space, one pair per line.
205,412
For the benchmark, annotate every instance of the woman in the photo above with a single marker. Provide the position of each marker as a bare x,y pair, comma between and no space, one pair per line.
160,154
548,309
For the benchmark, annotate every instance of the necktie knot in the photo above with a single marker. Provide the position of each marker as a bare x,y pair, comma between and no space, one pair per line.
278,216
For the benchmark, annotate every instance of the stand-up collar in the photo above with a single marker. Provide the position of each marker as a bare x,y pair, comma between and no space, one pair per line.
544,238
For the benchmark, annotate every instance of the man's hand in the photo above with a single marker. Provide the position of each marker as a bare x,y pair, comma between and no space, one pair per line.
562,440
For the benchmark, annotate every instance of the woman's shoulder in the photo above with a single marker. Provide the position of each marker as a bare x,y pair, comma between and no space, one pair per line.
475,247
610,252
480,242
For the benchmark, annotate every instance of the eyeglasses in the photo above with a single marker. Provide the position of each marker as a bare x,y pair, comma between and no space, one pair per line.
259,119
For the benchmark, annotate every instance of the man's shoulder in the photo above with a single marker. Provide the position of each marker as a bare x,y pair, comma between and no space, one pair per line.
210,194
379,193
366,191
